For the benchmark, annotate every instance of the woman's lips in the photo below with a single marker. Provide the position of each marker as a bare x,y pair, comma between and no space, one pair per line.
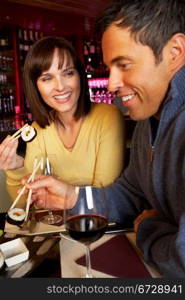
62,98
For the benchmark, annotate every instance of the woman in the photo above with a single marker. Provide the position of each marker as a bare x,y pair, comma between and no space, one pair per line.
84,141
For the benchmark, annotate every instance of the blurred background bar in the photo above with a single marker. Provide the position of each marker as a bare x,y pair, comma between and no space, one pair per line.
22,23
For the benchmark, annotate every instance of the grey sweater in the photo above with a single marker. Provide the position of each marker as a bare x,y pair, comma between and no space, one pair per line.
158,184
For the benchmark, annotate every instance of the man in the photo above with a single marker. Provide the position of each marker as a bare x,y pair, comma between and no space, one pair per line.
143,46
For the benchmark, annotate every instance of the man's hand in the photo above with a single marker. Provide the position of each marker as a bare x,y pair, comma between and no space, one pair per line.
147,213
51,193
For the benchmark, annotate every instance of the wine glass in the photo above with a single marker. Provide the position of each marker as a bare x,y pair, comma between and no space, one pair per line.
87,222
51,218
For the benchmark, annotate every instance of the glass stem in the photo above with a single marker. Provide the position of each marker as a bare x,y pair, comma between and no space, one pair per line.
88,262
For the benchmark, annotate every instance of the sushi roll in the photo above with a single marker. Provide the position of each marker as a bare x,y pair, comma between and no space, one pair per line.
2,260
28,133
16,216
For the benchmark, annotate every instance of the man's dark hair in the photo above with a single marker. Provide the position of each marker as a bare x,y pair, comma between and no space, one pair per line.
38,60
151,22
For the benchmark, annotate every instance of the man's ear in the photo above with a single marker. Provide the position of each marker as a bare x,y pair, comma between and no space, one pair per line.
177,51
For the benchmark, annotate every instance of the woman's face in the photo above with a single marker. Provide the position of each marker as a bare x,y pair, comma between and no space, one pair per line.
60,88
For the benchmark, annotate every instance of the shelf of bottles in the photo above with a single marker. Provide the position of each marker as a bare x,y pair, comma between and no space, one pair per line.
97,72
99,92
26,38
7,76
11,115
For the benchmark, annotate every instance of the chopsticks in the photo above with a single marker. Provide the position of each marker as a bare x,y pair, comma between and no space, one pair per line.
32,179
30,191
35,169
17,134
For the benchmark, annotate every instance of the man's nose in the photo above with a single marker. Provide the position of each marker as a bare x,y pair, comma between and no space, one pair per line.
115,81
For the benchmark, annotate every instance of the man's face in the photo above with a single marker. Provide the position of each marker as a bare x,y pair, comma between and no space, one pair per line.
140,82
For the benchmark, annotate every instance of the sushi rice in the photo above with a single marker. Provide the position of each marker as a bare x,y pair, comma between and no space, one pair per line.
16,216
28,133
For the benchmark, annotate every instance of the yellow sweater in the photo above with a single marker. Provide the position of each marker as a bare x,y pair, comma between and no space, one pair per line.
96,159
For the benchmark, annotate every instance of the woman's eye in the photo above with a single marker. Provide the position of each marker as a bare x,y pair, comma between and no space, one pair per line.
70,73
45,78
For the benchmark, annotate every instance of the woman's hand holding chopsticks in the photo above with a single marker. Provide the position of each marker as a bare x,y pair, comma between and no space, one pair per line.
8,154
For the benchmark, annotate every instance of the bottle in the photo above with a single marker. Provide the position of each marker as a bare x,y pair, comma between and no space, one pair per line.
4,63
10,63
26,45
4,38
7,95
1,62
97,97
4,104
21,45
36,35
1,104
12,102
31,38
92,57
89,71
86,54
